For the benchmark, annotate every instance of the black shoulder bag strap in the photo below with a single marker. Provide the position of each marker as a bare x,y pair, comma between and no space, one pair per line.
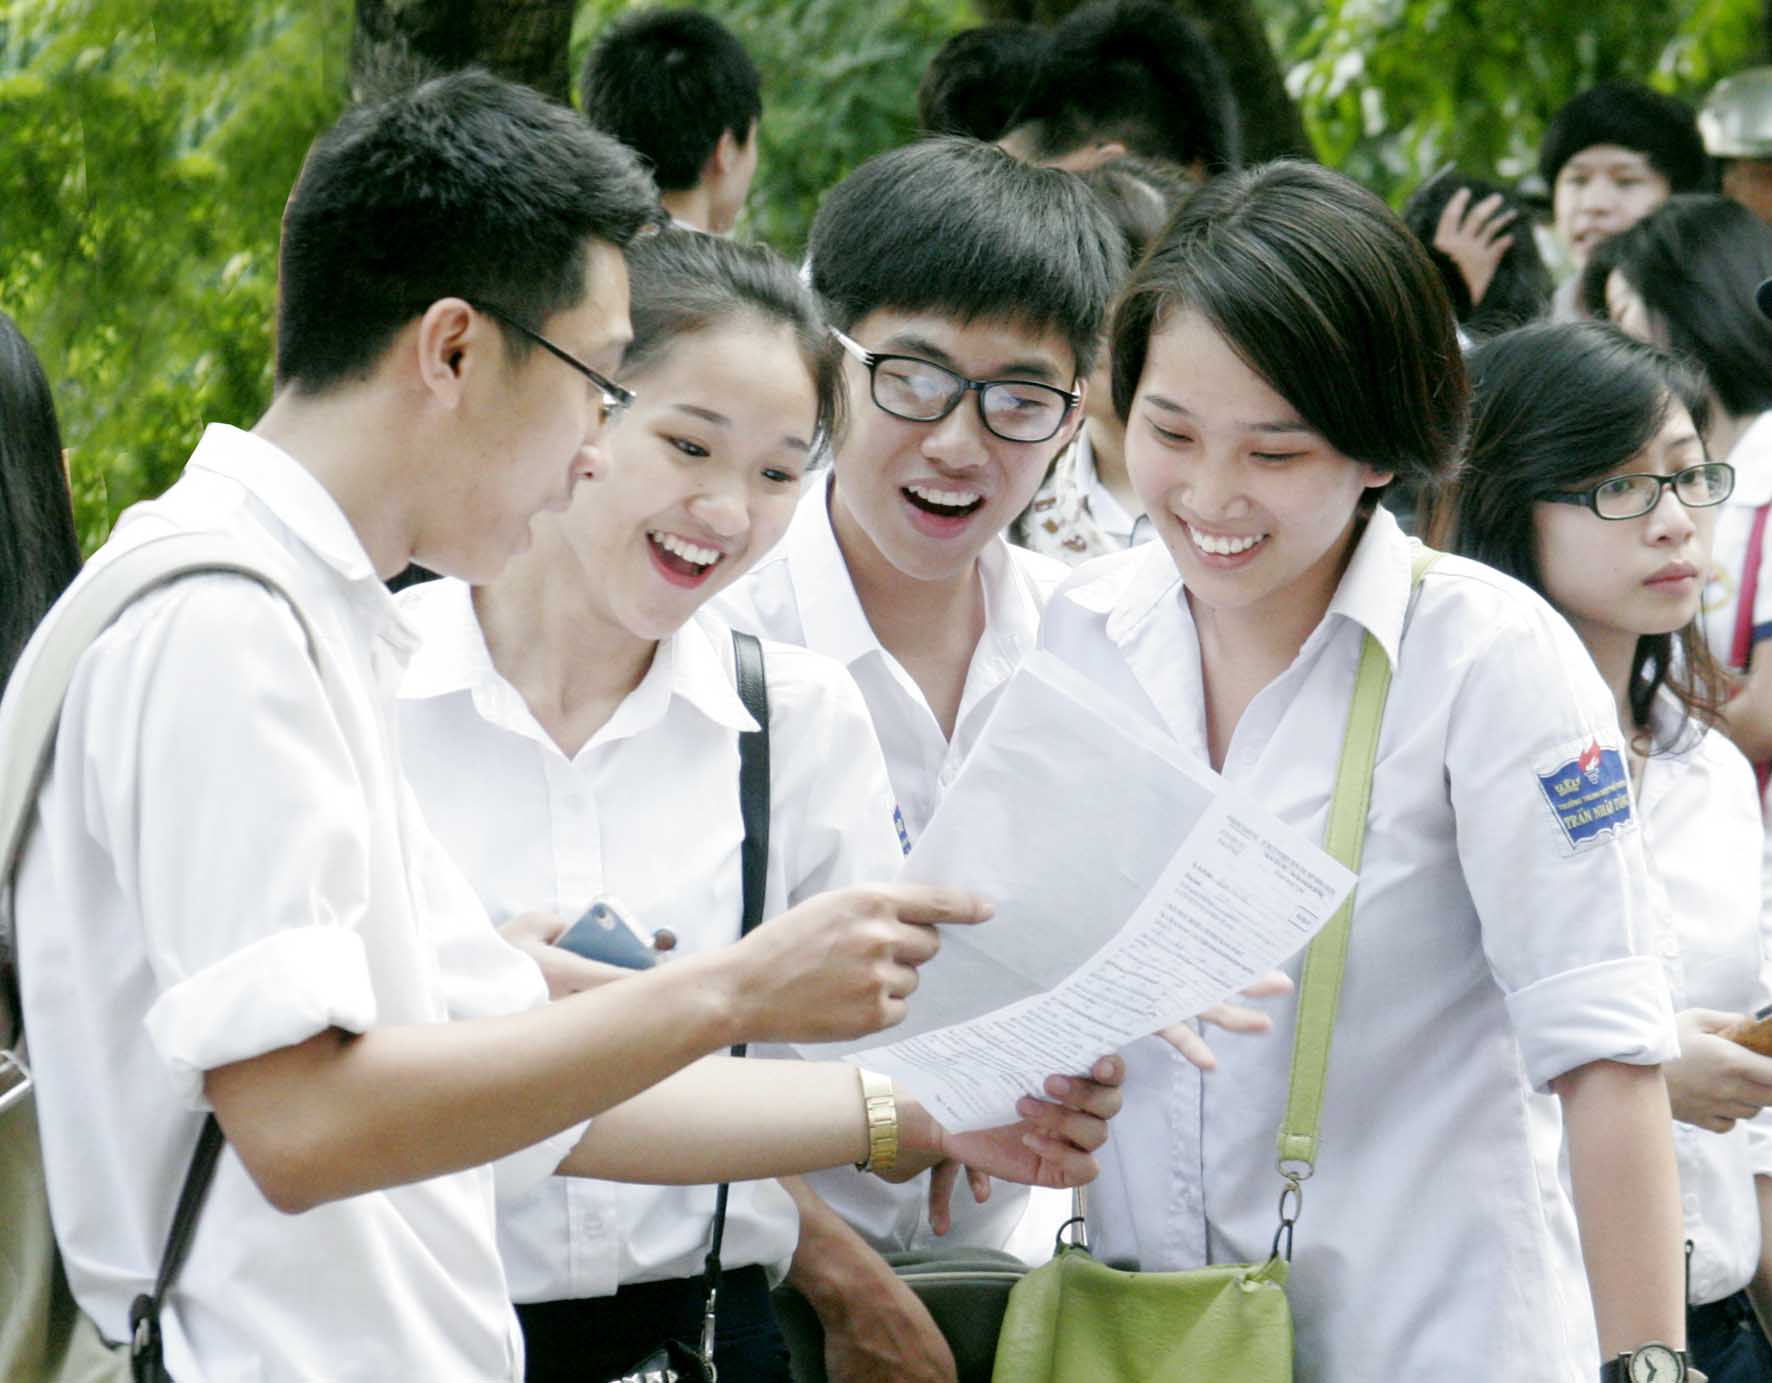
753,801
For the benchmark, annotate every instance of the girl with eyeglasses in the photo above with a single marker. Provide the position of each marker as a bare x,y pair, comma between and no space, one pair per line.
1587,478
1684,279
1283,353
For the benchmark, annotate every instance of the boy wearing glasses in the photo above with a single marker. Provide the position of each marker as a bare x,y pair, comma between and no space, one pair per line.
967,290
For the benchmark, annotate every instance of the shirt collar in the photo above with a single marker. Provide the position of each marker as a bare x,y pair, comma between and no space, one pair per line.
453,657
1373,593
307,510
830,611
290,491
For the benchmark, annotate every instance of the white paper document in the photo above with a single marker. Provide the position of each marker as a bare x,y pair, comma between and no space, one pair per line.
1134,888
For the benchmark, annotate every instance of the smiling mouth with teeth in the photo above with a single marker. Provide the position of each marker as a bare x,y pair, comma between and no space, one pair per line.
947,504
682,556
1223,546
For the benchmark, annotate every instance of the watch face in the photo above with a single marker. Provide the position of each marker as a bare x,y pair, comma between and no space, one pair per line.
1656,1364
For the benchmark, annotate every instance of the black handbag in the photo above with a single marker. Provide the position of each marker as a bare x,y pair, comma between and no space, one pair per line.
677,1361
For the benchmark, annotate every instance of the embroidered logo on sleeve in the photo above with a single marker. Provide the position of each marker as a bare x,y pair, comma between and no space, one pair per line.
904,836
1589,795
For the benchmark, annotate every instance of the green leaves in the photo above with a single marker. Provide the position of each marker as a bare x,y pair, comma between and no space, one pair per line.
148,149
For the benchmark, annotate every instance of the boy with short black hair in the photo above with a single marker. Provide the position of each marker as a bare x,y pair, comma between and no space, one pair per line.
968,290
679,89
978,79
1129,77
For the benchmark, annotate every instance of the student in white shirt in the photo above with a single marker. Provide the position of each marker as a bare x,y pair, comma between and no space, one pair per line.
1587,477
1284,351
571,731
1684,278
266,926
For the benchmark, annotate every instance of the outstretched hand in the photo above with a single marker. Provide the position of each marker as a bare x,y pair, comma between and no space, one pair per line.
1053,1144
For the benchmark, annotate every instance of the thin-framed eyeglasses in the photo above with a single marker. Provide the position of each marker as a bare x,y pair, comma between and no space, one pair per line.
1631,496
920,391
616,400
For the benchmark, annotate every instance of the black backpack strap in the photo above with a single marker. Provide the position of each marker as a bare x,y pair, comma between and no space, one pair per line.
145,1362
753,803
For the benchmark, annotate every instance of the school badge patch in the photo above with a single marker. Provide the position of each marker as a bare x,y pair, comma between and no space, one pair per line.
1589,795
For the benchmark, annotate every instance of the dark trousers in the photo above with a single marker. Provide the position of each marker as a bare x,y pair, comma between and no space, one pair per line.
1725,1340
595,1339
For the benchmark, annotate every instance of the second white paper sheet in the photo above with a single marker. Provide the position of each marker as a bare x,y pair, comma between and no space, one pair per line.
1133,889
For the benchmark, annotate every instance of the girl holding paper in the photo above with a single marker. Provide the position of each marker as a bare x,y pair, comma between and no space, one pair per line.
1284,352
1588,478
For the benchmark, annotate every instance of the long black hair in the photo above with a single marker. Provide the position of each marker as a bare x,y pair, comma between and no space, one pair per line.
1556,406
683,282
39,552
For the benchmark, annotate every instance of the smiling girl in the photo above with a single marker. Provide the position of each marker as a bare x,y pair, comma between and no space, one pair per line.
1284,352
1588,479
571,731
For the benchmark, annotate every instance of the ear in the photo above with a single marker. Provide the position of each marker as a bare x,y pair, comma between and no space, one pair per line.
452,341
1375,479
725,157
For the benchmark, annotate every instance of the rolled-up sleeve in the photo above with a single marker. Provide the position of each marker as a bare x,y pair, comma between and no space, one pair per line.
242,830
1551,851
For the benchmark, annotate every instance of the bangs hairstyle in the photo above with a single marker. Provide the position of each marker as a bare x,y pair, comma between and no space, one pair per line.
960,229
466,186
684,282
1557,406
1325,294
39,552
1696,262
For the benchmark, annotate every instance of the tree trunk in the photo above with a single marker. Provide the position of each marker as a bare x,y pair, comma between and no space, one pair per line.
524,40
1272,127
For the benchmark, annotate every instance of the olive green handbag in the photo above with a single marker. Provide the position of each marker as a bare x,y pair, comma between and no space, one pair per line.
1076,1318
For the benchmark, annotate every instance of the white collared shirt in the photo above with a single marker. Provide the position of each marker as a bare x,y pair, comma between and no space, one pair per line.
1494,948
802,593
1752,459
647,812
1702,831
227,862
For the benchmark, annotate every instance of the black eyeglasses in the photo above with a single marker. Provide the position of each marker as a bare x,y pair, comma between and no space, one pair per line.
920,391
1632,496
616,400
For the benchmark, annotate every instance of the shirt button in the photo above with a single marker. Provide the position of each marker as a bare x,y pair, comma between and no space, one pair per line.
1691,1205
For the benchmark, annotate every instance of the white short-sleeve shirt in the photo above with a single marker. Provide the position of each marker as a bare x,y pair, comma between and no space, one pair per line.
1501,938
802,593
1701,828
226,862
647,812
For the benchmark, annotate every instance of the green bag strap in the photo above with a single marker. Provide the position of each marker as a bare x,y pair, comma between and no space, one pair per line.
1319,993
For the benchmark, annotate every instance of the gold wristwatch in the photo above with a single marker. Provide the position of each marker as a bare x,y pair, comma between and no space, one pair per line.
882,1116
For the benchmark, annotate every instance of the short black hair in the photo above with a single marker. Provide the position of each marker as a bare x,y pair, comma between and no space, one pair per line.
685,282
1555,406
1326,295
668,83
959,228
1696,262
1135,71
1661,128
1519,292
978,79
465,186
39,552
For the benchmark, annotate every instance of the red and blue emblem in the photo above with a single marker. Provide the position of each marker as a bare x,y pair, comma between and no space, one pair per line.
1589,795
